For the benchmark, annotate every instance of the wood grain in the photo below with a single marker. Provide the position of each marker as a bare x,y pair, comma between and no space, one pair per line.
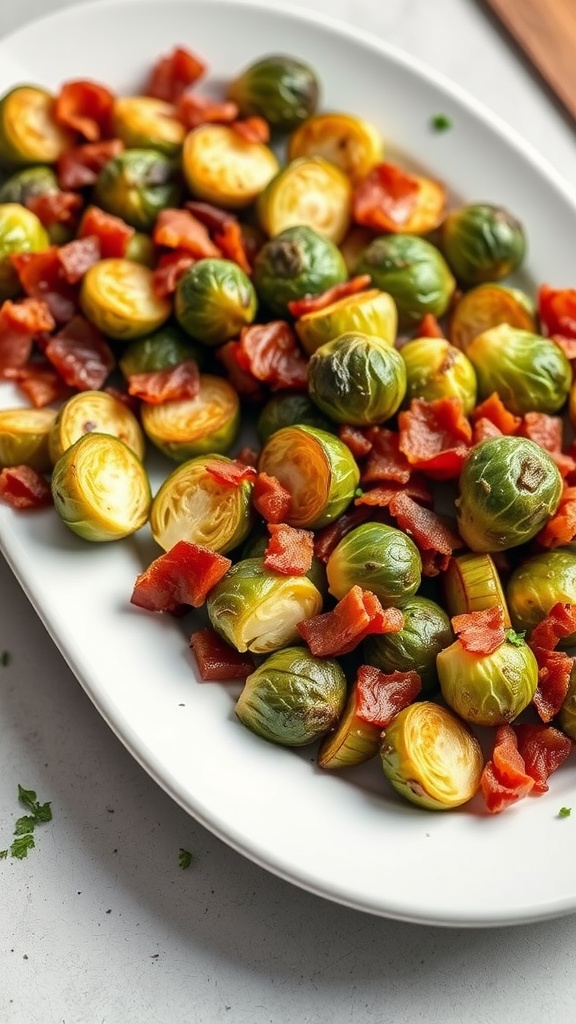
545,30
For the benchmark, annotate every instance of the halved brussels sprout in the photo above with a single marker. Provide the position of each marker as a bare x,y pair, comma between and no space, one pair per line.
144,122
100,488
426,632
118,296
165,347
567,714
529,372
223,168
297,262
24,437
369,312
308,191
508,489
357,378
352,742
192,505
317,469
205,424
257,610
538,584
348,142
486,306
20,231
471,583
29,133
437,369
286,410
379,558
293,698
482,242
94,411
280,88
214,300
413,271
136,185
431,758
488,689
28,183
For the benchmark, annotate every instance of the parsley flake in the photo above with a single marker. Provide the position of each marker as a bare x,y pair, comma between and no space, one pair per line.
25,825
517,639
5,658
564,812
21,845
185,859
441,122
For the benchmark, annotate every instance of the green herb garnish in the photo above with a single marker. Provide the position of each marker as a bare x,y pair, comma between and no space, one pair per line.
185,859
441,123
25,825
517,639
564,812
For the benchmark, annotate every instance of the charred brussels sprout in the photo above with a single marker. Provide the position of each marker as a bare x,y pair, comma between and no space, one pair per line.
379,558
486,306
431,758
20,231
413,271
205,424
24,437
348,142
293,698
136,185
369,312
214,300
144,122
222,168
90,412
529,372
297,262
287,410
29,132
488,689
308,191
118,296
426,632
167,346
257,610
358,379
482,242
281,89
437,369
509,488
538,584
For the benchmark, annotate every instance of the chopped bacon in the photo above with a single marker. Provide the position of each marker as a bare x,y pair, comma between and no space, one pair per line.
483,429
426,528
243,381
557,310
179,229
40,382
544,749
355,439
382,695
169,269
232,244
554,667
56,207
216,659
385,198
480,632
85,107
270,498
356,615
429,327
24,488
184,575
289,550
81,354
504,778
561,527
252,129
383,494
41,277
20,322
568,345
548,432
385,460
271,354
193,110
112,232
248,456
329,536
173,73
212,217
172,384
79,166
230,472
493,409
313,303
77,256
435,436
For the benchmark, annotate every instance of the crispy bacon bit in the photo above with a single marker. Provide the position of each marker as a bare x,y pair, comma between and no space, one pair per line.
355,439
382,495
554,667
79,166
216,659
557,310
81,354
385,198
329,536
242,380
504,779
435,436
112,232
270,352
212,217
24,488
169,269
56,207
429,327
561,527
427,529
357,615
385,460
85,107
172,384
568,345
270,498
480,632
184,575
39,382
41,277
252,129
313,303
174,73
230,472
248,456
493,409
20,322
544,749
483,429
548,432
194,110
179,229
289,550
381,695
78,256
232,244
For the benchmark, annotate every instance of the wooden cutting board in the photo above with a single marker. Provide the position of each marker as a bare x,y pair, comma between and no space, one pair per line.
545,30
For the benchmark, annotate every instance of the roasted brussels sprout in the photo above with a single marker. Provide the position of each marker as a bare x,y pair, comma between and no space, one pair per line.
486,306
144,122
353,741
258,610
214,299
538,584
426,632
293,698
100,488
94,411
413,271
369,312
309,191
488,689
379,558
316,468
348,142
482,242
286,410
118,296
28,183
193,505
431,758
567,713
20,231
167,346
222,168
297,262
205,424
24,437
136,185
280,88
437,369
357,378
471,583
29,133
529,372
508,489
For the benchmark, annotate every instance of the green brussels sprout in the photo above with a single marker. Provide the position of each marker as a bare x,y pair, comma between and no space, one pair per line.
426,632
20,231
100,488
141,249
529,372
431,757
165,347
144,122
538,584
119,297
24,437
90,412
297,262
471,583
567,714
488,689
486,306
316,468
293,698
281,89
29,132
357,378
310,191
375,557
222,167
286,410
214,300
28,183
413,271
204,425
258,610
482,242
369,312
136,185
437,369
508,489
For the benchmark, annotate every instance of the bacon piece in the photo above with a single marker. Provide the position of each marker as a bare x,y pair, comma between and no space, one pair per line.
355,439
252,129
568,345
179,229
313,303
169,269
85,107
356,615
554,667
193,110
213,217
270,352
112,232
480,632
425,526
557,310
483,429
230,473
504,779
382,695
56,207
429,327
381,496
41,277
79,166
243,381
20,322
78,256
329,536
289,550
81,354
385,198
385,460
173,73
40,382
270,498
561,527
232,244
172,384
435,436
493,409
216,659
548,432
543,749
184,575
24,488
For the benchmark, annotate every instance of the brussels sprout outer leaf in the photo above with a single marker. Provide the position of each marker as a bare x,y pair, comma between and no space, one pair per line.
216,659
355,616
184,575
